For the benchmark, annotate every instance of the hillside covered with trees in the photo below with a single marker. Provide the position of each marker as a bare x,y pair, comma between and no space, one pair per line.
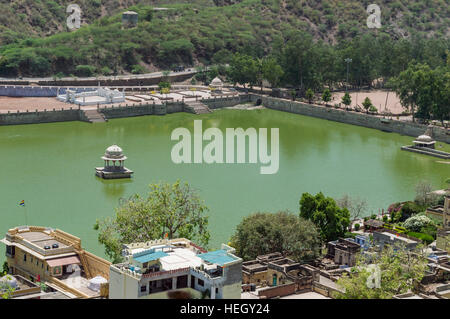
212,31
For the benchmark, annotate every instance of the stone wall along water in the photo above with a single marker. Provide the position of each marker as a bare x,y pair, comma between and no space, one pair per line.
355,118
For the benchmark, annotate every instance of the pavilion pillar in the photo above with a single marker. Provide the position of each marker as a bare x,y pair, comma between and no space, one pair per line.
174,283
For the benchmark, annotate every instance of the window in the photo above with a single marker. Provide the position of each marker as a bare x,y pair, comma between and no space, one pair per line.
217,291
10,251
24,257
201,282
144,288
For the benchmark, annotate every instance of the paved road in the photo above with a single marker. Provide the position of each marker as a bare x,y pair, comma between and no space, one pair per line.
118,77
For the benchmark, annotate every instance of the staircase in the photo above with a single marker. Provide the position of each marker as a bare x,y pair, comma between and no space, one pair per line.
94,116
197,107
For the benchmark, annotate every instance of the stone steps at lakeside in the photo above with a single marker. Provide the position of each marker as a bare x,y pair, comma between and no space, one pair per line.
94,116
197,107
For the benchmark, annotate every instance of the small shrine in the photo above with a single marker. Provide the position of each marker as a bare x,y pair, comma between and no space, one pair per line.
114,164
216,85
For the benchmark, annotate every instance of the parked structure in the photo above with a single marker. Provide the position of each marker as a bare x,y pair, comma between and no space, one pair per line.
165,269
55,258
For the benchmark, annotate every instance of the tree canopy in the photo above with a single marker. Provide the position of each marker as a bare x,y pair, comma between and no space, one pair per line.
170,210
384,275
284,232
331,220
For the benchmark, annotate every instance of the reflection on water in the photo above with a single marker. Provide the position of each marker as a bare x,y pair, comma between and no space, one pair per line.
114,188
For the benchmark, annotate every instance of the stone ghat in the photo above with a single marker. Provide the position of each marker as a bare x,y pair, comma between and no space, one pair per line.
424,151
112,111
354,118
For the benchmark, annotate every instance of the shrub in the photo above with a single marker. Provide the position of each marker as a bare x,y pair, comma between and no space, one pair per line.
164,85
138,69
373,109
357,226
84,70
427,239
409,209
417,222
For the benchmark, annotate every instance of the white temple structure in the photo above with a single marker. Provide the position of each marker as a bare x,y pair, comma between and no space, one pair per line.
216,84
114,164
99,96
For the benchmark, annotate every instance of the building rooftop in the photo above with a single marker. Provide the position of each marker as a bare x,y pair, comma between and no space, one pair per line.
219,257
42,242
175,254
395,237
147,256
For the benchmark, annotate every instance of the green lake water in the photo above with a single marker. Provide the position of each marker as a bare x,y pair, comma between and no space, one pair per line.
51,167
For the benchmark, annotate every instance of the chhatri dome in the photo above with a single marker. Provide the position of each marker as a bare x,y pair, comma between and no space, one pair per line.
216,83
114,153
424,138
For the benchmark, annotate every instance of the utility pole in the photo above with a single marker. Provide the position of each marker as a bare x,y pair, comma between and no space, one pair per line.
348,61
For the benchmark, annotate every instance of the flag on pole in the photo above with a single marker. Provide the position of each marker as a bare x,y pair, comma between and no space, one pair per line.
22,203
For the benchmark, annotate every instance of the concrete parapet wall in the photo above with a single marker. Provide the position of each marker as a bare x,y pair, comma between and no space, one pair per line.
39,117
360,119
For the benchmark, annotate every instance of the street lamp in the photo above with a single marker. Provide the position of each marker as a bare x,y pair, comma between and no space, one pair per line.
348,61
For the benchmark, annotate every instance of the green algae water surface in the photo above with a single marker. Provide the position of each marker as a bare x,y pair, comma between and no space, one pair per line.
51,167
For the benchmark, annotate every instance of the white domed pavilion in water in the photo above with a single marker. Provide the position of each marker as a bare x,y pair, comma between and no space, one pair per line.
114,164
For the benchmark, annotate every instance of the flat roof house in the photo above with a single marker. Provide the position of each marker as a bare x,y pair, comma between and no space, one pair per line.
55,258
176,268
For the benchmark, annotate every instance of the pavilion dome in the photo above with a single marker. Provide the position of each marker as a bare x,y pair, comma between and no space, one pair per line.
114,152
216,82
424,138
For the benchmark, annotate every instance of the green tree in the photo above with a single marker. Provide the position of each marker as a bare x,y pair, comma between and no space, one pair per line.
309,95
367,104
400,271
346,99
326,96
263,233
174,210
331,220
84,70
243,70
272,71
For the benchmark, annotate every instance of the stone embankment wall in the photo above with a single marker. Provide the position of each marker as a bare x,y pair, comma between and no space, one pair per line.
110,112
355,118
39,117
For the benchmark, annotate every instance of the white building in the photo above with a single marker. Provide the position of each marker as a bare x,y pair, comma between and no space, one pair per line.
99,96
160,268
